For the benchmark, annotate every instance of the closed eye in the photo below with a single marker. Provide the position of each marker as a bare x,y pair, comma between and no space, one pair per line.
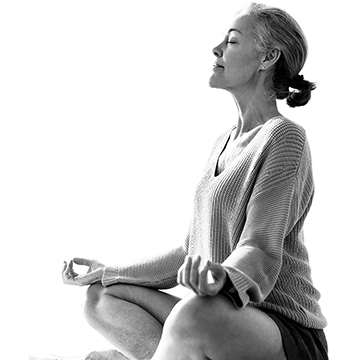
231,41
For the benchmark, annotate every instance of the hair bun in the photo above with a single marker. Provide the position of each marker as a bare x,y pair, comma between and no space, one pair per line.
297,82
302,93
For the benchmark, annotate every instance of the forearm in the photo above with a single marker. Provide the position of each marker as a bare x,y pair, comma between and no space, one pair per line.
252,274
159,271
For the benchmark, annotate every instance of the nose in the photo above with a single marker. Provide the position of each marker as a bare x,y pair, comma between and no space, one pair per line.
217,51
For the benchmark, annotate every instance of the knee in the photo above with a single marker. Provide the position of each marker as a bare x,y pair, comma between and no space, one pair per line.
97,300
192,318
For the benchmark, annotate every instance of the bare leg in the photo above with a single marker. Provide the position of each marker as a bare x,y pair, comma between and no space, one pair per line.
130,317
211,328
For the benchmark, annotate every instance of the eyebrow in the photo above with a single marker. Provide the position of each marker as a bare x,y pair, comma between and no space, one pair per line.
234,30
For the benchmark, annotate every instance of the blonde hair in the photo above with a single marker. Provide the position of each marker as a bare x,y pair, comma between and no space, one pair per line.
275,28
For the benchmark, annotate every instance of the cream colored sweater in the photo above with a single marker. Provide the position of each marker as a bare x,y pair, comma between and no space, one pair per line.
249,218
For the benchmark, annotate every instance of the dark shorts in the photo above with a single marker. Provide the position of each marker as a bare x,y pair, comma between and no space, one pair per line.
300,343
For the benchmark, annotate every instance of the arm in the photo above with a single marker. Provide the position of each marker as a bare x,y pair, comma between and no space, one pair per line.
254,265
251,270
280,198
159,271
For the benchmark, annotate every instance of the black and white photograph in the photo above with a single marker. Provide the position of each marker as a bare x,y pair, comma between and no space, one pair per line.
179,180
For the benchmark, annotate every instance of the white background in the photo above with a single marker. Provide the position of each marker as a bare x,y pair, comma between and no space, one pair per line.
106,123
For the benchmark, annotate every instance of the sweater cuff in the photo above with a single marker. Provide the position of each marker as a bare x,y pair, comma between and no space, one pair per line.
110,276
231,293
239,287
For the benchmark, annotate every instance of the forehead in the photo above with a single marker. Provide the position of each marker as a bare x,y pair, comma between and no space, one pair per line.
243,22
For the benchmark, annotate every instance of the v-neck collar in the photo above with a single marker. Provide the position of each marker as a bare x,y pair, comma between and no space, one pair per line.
225,142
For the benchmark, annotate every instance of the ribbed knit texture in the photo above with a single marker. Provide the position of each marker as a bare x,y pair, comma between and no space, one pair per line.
249,218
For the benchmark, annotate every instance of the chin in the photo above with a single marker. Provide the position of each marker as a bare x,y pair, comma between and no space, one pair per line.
213,83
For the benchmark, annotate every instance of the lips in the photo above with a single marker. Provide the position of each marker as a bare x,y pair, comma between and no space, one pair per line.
217,65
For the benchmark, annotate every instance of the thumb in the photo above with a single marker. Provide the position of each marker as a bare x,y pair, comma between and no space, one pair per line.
215,268
218,271
82,261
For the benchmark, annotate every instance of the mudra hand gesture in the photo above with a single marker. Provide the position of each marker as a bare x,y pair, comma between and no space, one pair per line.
93,275
191,276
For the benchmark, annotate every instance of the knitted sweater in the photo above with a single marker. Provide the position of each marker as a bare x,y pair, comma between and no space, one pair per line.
249,218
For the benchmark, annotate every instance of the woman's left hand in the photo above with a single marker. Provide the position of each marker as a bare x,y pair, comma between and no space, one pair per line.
191,276
93,275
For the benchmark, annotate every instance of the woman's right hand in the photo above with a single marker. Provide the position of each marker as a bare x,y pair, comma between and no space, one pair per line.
93,275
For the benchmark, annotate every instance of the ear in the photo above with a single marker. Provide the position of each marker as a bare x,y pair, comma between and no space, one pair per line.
269,59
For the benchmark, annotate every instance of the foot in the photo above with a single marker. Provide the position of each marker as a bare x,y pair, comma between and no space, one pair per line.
106,355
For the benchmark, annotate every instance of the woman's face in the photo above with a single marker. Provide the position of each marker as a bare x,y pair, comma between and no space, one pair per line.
237,61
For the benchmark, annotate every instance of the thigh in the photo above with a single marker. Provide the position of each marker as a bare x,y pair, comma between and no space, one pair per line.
250,334
157,303
226,332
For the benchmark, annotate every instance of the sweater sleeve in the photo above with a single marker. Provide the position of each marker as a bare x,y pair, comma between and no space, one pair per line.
159,271
281,194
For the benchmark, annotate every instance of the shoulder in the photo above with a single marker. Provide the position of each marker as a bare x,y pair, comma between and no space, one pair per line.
281,128
284,137
285,144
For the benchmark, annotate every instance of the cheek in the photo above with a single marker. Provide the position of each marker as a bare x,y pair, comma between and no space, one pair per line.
240,71
244,66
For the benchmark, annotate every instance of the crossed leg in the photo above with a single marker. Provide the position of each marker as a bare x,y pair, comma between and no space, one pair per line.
148,324
211,328
128,316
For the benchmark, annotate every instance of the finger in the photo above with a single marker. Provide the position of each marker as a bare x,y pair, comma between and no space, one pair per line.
182,271
182,275
186,273
82,261
179,275
194,273
203,282
68,269
219,275
214,280
66,275
72,272
63,271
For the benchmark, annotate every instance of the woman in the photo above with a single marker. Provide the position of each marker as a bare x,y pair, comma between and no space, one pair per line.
246,231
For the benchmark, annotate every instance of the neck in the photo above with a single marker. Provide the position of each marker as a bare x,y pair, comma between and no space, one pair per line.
254,111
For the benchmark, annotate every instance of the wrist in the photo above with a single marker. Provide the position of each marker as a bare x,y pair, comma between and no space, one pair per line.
97,276
101,273
227,283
